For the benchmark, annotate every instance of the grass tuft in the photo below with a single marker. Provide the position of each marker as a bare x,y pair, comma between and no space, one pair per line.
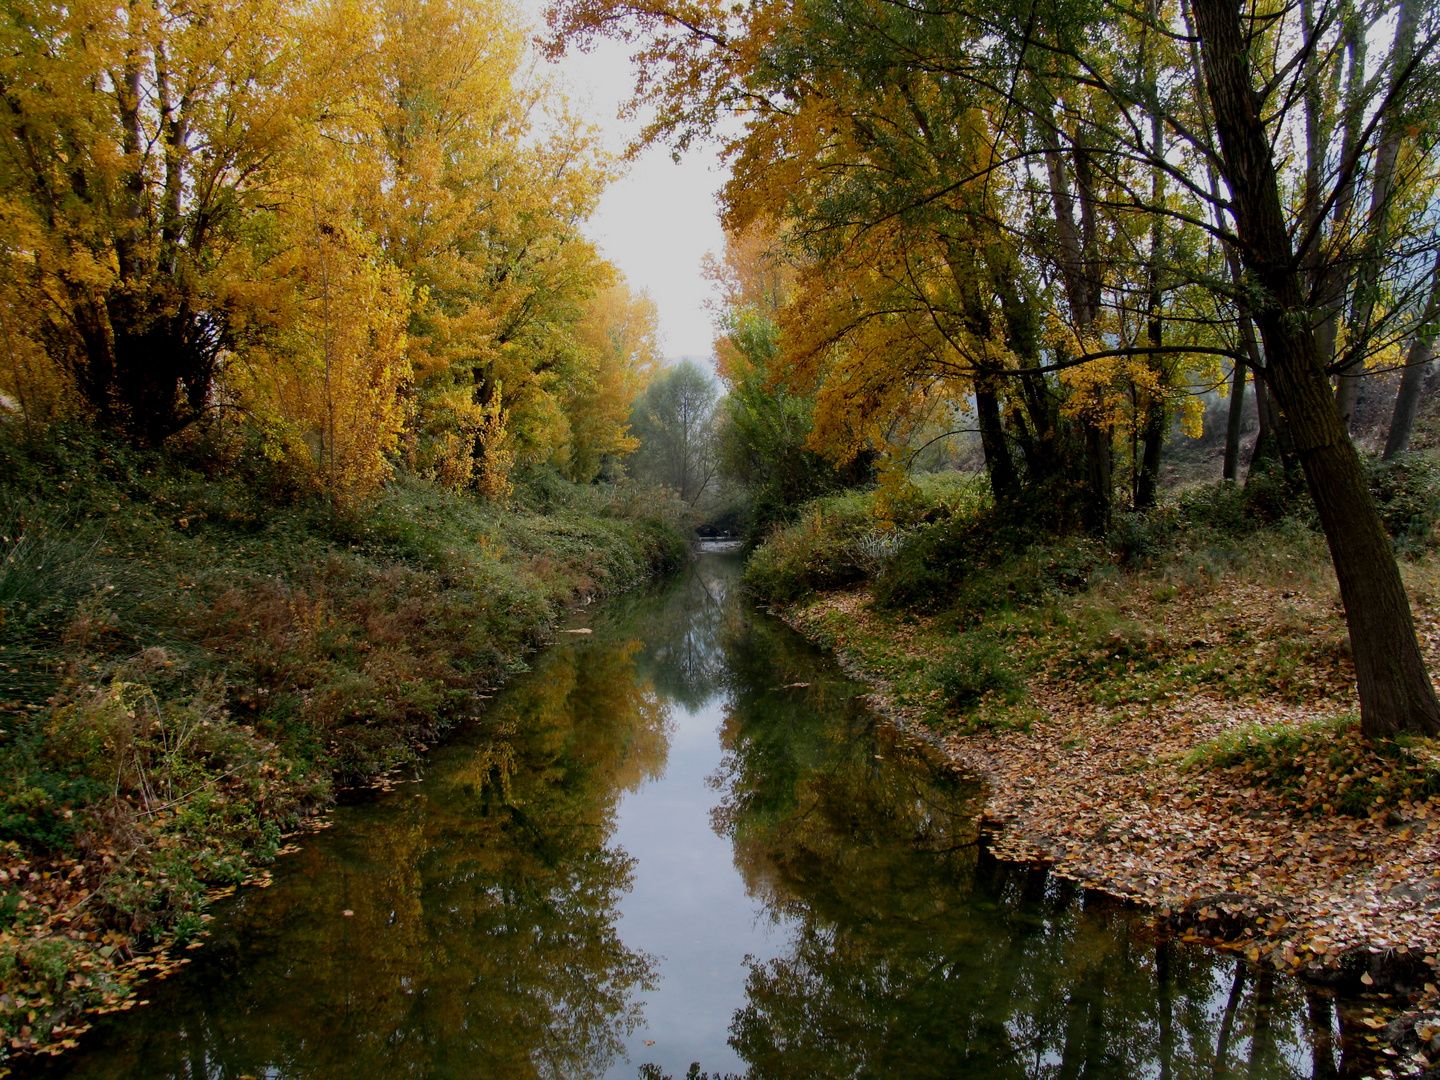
1326,766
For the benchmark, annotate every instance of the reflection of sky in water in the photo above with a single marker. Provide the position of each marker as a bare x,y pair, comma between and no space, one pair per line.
688,908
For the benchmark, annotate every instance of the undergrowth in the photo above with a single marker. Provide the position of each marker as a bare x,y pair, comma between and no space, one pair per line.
193,654
975,668
1325,766
967,603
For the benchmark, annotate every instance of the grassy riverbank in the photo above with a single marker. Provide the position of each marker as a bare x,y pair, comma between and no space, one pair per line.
193,654
1168,714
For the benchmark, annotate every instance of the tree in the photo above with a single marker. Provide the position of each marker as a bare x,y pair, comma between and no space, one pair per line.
328,384
1095,214
1395,690
138,145
618,336
762,440
476,187
674,421
355,222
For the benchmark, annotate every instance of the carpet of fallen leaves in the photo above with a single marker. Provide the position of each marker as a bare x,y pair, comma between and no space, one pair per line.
1101,781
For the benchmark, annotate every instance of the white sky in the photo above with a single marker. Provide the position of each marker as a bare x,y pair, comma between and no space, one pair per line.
658,221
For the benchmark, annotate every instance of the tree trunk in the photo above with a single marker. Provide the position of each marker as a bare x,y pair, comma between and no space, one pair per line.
1147,480
1396,694
1076,257
1417,365
1004,483
1329,276
1098,479
1147,477
1269,445
1234,422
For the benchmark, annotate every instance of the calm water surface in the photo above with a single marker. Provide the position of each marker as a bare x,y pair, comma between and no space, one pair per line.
681,838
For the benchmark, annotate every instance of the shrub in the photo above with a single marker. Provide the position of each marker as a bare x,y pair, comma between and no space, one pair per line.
836,542
983,563
1407,490
1269,496
977,666
1137,539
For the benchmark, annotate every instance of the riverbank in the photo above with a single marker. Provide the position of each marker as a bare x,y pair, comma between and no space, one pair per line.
193,655
1180,731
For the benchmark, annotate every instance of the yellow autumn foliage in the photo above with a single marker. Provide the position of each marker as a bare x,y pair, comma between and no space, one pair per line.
357,222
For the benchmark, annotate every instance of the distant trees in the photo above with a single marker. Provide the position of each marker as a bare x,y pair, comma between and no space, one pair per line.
763,441
673,421
354,226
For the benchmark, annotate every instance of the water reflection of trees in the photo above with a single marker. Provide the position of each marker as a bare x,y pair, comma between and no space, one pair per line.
483,940
914,955
683,655
483,936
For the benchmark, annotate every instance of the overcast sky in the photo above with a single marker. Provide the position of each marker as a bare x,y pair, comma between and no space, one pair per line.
659,220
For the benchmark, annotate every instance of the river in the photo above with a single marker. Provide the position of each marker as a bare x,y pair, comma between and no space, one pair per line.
681,837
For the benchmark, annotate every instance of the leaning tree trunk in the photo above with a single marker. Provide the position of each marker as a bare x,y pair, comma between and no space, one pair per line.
1417,365
1395,690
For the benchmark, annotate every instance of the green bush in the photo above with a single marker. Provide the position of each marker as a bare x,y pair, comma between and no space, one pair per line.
836,542
1326,764
971,565
975,667
1138,539
1407,490
1269,496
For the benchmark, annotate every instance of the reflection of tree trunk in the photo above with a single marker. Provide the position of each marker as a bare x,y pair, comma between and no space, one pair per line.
1165,991
1227,1022
1084,1027
1072,1054
1322,1037
1262,1042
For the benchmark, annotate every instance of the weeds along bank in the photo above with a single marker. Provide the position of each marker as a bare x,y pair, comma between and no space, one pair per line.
192,656
1168,713
995,602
